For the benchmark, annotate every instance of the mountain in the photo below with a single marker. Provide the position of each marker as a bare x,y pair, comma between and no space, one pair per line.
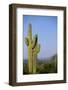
25,61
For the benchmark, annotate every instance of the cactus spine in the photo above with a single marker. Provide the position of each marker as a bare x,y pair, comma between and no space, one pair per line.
33,50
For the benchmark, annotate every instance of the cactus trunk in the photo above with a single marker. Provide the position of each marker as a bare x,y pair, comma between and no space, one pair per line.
33,50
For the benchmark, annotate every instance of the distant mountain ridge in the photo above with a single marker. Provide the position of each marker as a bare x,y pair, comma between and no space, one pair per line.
50,59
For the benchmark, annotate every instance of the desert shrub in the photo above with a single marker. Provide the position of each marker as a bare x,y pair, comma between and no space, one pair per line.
43,66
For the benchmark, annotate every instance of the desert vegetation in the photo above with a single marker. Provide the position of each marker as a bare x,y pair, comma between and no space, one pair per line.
43,66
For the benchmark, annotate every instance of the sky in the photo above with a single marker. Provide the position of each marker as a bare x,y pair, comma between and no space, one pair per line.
46,29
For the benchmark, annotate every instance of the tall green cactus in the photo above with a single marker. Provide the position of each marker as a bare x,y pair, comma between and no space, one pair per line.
33,49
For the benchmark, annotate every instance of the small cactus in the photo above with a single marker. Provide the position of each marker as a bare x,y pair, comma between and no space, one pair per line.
33,50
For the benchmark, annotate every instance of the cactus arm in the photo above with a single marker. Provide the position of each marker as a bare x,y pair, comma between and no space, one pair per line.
34,41
38,48
27,41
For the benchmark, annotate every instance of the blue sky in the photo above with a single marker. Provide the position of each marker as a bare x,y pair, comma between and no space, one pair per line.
46,29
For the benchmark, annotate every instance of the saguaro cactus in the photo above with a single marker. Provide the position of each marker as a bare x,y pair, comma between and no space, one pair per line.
33,49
